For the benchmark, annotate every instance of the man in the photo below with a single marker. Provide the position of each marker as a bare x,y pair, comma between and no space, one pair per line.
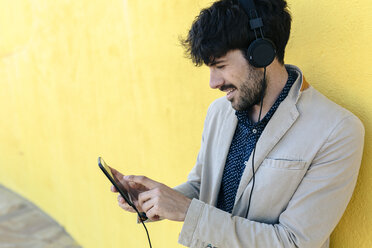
278,161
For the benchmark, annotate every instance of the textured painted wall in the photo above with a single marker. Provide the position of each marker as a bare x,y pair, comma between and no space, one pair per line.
82,79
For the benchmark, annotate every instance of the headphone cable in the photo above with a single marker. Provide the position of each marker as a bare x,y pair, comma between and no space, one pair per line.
141,219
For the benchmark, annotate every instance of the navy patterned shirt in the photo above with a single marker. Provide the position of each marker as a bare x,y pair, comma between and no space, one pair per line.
242,146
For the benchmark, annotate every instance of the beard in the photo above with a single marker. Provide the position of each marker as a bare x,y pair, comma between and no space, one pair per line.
251,91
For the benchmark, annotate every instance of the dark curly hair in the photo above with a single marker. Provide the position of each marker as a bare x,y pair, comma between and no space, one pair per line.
224,26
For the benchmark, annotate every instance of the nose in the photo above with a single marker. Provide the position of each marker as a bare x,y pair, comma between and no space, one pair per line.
216,79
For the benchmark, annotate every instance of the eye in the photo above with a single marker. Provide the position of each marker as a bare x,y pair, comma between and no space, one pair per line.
220,66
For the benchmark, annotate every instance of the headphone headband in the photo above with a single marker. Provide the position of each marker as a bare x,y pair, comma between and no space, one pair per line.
255,21
247,5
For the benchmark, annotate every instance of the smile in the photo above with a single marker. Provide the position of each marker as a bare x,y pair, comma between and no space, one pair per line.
230,94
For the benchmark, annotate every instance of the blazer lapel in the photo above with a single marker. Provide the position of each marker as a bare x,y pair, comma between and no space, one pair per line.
281,121
224,142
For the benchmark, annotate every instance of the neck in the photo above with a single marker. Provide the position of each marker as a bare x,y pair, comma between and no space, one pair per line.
276,78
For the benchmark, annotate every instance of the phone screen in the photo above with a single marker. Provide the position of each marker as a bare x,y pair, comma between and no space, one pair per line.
121,189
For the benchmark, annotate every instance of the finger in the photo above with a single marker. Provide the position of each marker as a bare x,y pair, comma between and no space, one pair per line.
153,214
119,178
144,197
139,208
116,173
146,206
126,207
121,199
113,189
135,203
145,181
123,204
137,186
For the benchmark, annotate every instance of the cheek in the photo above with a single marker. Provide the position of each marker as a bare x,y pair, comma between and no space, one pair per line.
235,78
242,73
255,74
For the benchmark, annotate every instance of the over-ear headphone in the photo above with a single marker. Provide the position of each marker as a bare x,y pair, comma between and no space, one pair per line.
261,52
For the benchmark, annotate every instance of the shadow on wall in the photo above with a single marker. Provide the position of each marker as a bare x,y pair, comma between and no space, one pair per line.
23,225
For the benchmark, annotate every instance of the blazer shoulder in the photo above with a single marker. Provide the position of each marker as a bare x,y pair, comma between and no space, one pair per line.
322,108
220,110
220,104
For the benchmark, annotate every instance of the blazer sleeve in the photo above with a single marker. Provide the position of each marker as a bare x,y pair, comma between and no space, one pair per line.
313,212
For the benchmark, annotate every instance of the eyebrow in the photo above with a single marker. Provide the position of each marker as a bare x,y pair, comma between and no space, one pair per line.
216,62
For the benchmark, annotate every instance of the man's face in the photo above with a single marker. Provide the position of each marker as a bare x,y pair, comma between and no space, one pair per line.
243,83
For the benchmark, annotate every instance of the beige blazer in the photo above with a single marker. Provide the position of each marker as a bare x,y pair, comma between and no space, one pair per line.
307,162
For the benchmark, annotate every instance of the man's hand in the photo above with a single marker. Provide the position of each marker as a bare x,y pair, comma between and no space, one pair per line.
134,190
160,201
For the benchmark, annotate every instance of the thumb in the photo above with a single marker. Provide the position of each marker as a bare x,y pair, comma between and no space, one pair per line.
116,173
145,181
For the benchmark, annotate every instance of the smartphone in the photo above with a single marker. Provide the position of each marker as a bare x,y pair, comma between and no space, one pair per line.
123,190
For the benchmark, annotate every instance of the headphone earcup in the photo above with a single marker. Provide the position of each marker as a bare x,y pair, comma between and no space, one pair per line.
261,52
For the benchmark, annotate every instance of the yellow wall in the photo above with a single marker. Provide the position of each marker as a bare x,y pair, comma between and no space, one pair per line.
79,79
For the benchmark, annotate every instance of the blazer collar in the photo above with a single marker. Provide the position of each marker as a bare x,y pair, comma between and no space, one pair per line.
224,142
